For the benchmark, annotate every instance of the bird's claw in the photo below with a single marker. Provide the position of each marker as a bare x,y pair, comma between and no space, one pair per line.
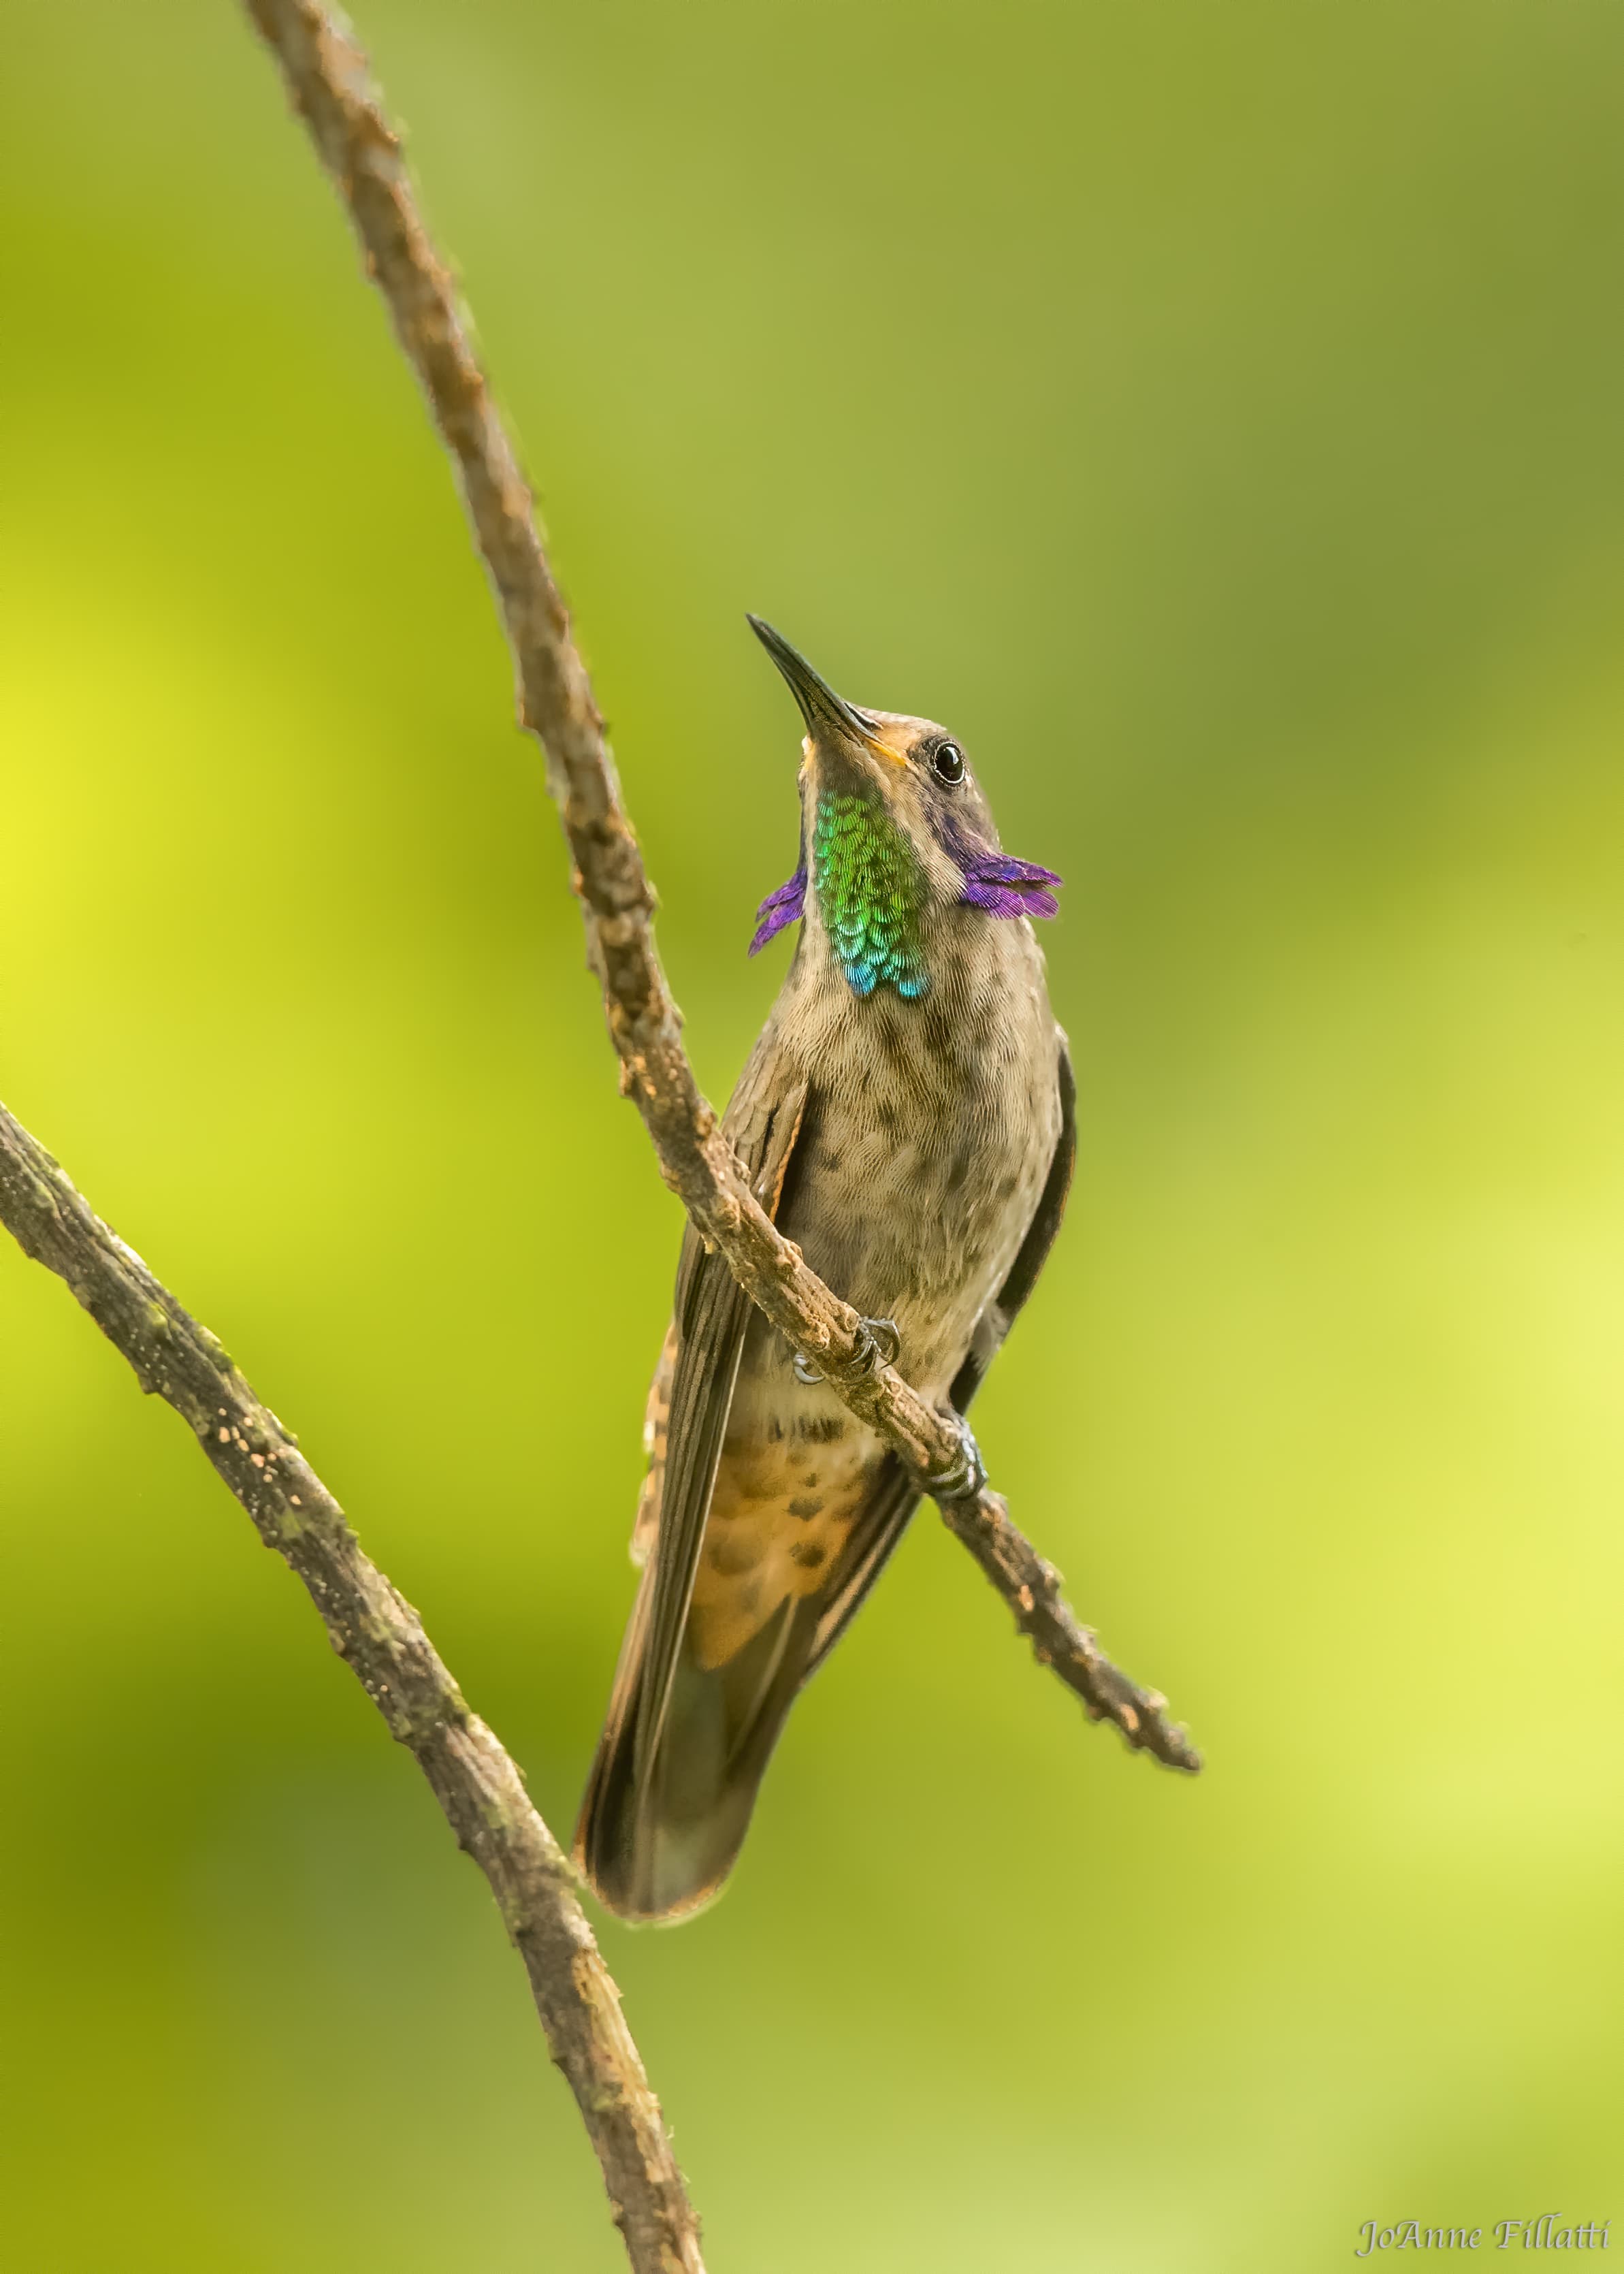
965,1478
878,1343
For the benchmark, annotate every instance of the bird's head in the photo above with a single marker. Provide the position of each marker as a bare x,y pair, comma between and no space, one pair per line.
896,836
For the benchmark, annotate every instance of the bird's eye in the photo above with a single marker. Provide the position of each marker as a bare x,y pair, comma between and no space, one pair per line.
948,763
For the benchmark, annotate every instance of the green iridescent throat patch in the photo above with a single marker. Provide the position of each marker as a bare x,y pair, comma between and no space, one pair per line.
869,891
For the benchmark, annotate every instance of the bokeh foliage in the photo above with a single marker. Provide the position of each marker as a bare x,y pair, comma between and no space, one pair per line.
1217,415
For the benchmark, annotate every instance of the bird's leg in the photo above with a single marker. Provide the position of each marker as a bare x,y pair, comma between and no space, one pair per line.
969,1473
877,1342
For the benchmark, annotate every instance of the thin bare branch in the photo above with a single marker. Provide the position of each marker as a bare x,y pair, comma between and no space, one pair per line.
329,79
380,1636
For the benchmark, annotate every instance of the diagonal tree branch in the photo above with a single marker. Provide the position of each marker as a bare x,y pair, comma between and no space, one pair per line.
381,1636
477,1786
328,81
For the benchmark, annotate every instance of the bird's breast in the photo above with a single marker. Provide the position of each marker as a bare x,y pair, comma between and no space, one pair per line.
930,1134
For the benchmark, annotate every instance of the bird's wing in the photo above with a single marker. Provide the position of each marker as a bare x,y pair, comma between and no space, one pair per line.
690,1400
892,1498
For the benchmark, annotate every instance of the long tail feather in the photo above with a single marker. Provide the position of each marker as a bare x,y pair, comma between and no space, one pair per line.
658,1837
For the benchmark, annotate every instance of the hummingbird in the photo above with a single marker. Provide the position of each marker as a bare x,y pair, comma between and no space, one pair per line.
907,1118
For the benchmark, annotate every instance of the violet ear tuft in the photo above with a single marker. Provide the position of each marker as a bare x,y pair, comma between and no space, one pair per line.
1004,887
786,906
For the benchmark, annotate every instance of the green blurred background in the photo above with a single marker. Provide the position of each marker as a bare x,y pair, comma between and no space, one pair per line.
1217,414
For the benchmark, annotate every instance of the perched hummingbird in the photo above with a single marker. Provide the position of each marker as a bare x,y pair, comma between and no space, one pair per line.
907,1118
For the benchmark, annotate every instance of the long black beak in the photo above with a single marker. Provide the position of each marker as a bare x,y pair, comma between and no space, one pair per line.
820,705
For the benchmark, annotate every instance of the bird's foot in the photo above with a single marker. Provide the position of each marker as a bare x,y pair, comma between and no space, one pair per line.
968,1474
878,1343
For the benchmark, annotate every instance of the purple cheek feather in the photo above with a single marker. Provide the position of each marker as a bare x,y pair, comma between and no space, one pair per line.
1009,888
786,906
992,883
